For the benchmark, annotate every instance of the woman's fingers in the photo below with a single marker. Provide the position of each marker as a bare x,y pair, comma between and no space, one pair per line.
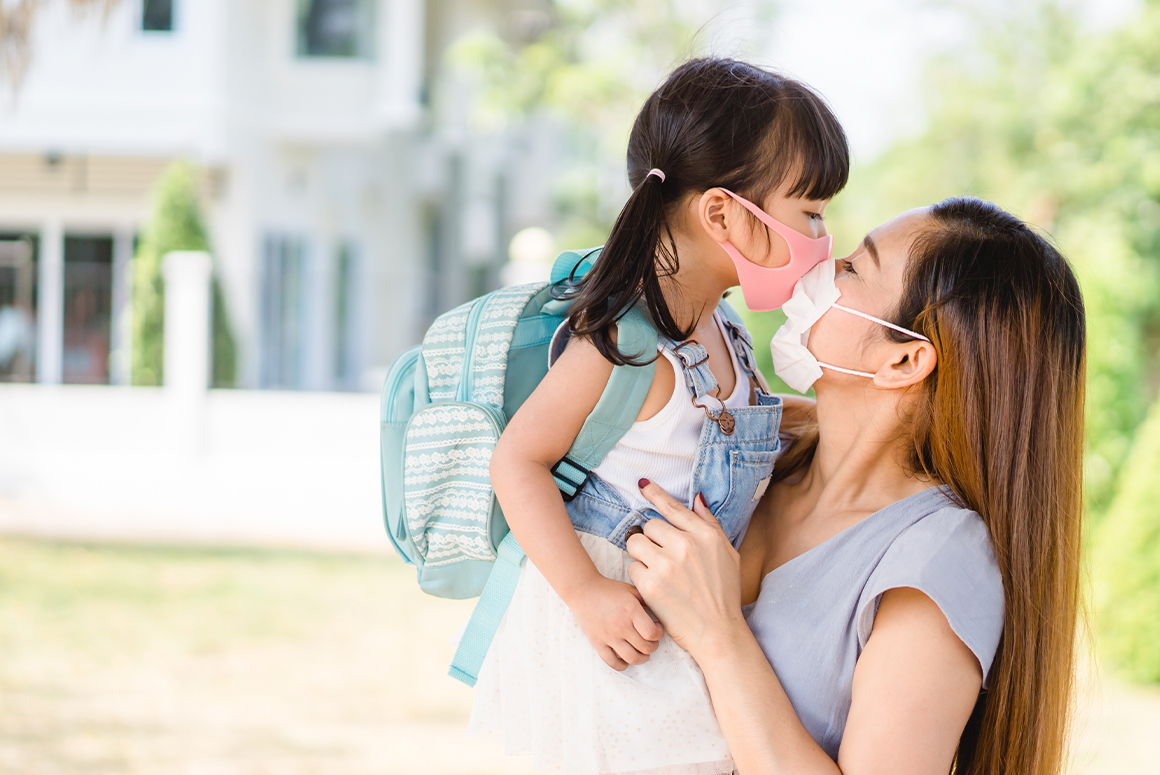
642,549
671,509
660,532
701,509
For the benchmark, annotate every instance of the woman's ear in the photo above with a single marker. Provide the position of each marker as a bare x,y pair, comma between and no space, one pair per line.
715,214
910,363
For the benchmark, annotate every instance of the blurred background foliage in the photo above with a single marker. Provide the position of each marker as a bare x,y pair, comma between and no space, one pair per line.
587,66
176,223
1053,121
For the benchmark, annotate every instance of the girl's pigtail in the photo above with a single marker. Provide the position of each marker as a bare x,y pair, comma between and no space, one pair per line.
638,252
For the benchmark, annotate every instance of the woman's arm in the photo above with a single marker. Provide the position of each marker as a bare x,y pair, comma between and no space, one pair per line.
539,434
914,685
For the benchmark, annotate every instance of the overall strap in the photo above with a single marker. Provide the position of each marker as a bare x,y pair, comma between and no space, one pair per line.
743,346
694,360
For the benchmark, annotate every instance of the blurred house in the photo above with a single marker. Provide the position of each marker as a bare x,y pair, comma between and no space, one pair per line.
346,201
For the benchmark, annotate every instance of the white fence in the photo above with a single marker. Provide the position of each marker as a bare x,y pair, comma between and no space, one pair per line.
182,463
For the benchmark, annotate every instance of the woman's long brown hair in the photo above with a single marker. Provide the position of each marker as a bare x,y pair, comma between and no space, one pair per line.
1000,422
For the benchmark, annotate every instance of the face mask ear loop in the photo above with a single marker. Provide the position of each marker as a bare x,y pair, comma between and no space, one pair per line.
846,371
882,322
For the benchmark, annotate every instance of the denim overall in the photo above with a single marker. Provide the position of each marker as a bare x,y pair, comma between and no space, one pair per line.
731,469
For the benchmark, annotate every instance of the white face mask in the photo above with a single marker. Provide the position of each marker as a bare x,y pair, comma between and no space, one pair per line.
814,294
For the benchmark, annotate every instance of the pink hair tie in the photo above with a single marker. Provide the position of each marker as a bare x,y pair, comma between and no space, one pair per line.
658,173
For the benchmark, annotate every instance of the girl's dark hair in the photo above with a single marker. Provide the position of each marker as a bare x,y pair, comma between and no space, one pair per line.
713,122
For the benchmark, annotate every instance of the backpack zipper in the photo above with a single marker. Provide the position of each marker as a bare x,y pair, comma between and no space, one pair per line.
395,378
465,386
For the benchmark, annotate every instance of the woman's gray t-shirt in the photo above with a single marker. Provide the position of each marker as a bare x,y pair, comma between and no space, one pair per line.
814,614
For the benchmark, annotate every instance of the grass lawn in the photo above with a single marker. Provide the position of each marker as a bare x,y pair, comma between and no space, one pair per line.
123,659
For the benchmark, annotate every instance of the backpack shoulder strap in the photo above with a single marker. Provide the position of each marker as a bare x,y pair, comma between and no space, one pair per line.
612,416
617,408
488,612
573,264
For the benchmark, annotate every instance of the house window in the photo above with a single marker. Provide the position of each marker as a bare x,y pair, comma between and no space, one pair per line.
336,28
345,317
157,15
17,307
283,266
88,309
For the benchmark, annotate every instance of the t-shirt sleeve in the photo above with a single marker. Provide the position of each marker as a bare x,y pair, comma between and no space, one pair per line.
948,557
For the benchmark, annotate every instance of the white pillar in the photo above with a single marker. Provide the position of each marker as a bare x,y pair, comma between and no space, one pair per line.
187,349
121,349
187,322
317,341
50,304
399,51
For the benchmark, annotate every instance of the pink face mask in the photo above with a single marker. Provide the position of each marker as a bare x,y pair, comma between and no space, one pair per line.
767,288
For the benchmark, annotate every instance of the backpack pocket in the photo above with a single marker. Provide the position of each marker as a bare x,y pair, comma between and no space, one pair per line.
453,520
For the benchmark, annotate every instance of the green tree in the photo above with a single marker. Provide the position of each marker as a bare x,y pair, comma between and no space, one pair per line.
588,65
1128,559
1062,127
175,224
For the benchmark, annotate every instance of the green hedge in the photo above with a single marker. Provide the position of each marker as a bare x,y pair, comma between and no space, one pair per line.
175,224
1128,562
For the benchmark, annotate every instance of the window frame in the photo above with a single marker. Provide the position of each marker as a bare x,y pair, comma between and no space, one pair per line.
174,19
365,43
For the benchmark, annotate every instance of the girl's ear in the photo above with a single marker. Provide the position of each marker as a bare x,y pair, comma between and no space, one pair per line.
715,212
910,363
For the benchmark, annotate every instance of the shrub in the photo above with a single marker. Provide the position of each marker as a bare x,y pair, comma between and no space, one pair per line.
175,224
1128,563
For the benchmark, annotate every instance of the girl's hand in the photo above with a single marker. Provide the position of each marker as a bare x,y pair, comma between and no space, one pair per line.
612,615
687,572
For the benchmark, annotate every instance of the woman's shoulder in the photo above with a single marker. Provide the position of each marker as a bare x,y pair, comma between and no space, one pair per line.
947,555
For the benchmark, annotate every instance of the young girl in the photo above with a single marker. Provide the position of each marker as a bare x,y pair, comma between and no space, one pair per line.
579,675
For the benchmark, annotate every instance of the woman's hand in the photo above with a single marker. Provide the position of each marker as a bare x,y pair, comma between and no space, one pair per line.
687,572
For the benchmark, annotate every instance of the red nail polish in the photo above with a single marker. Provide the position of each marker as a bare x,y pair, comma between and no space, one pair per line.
701,495
642,483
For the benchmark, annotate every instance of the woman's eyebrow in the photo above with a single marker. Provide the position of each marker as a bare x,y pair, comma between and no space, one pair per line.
872,249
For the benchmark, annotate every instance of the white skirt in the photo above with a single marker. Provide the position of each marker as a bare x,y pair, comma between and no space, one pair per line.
544,691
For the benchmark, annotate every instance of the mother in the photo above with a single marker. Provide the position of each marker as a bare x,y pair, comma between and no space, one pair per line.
906,596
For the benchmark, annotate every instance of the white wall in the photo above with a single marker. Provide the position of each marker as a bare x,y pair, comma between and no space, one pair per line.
270,468
103,85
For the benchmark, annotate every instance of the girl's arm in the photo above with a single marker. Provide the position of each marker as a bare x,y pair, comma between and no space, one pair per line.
540,433
914,685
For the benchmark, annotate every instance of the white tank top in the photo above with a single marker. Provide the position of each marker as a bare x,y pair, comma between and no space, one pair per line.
663,447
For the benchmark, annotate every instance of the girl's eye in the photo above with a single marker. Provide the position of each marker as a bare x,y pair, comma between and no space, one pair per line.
848,267
816,216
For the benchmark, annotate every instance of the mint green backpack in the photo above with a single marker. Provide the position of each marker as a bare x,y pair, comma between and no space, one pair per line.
445,404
